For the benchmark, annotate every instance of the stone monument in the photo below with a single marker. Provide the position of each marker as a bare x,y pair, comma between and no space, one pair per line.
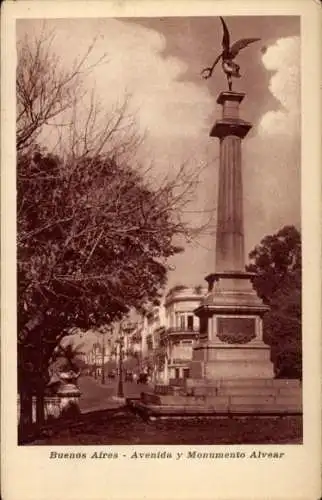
231,343
231,371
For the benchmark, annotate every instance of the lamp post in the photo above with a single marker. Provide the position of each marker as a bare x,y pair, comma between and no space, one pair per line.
103,359
95,360
104,330
120,390
125,327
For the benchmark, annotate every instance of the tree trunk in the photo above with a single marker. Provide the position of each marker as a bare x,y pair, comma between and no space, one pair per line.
40,407
25,408
40,410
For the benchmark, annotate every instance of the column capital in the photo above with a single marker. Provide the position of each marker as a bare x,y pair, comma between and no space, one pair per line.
230,126
230,122
230,96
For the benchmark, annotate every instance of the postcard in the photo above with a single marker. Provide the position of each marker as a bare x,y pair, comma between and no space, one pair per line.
161,250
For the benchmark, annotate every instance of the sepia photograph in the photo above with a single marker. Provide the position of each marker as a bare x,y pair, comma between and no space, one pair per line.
159,269
161,242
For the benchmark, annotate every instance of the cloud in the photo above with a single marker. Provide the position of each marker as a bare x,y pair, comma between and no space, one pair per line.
172,113
272,156
166,106
283,59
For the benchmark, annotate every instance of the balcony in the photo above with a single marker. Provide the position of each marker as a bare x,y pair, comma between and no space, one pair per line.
179,361
180,330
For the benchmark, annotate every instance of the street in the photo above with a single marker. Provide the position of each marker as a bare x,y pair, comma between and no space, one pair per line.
96,396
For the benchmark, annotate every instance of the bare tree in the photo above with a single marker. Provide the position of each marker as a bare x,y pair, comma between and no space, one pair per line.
52,98
94,232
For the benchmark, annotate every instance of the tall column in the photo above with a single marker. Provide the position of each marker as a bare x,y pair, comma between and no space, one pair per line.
230,232
230,314
230,129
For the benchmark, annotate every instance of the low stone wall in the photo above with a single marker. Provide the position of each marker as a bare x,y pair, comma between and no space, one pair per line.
230,396
52,407
252,382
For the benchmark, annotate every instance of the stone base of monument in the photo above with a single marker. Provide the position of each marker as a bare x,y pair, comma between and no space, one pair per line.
229,397
213,361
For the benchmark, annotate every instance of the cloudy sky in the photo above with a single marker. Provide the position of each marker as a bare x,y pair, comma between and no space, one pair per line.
158,62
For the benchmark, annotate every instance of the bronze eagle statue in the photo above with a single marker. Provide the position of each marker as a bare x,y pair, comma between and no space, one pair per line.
228,54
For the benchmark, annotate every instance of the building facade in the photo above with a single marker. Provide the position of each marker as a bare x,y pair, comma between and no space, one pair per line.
161,341
98,357
181,331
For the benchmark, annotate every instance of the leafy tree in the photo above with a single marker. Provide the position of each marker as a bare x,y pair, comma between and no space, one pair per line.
277,264
275,260
92,242
94,233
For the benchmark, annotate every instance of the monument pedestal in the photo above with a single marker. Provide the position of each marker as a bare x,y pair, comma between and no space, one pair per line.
215,362
231,334
231,344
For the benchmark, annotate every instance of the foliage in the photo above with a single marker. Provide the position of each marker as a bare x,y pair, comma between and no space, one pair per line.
94,232
66,357
92,242
277,258
236,337
277,264
136,337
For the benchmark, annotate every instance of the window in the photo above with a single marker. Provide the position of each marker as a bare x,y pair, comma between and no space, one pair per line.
190,322
186,342
182,322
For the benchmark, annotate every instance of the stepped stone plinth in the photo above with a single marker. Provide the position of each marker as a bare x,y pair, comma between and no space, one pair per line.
224,397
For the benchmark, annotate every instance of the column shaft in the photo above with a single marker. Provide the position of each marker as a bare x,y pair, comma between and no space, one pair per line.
230,231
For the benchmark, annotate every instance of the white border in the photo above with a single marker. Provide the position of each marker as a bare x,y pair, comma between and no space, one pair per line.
27,472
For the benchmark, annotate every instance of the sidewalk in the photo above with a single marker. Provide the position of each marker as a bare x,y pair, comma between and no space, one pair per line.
112,403
96,397
108,406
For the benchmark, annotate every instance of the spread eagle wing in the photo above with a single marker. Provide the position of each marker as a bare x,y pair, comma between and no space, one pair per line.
226,36
241,44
